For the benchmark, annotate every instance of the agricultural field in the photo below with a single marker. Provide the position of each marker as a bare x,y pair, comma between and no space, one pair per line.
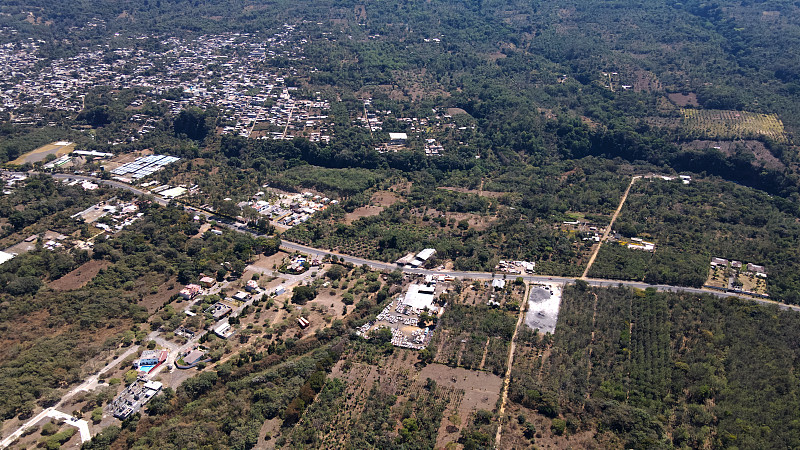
727,125
392,402
477,336
638,369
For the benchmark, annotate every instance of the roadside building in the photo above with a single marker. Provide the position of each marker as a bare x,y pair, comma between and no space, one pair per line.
193,356
422,256
218,310
420,296
719,262
150,359
224,331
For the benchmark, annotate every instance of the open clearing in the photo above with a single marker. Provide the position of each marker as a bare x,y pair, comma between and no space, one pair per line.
379,201
481,193
79,277
56,148
543,305
683,100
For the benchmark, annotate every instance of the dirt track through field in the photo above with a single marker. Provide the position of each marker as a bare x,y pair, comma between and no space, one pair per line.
608,228
507,379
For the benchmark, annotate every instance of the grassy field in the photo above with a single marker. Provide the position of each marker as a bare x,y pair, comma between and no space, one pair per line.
722,124
39,154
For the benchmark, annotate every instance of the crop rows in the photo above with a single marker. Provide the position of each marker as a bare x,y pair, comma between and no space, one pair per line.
725,124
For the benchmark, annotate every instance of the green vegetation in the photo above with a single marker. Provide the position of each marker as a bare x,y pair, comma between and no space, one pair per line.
554,105
693,223
648,368
159,250
466,333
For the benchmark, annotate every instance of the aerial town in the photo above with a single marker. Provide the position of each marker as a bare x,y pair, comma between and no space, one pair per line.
417,225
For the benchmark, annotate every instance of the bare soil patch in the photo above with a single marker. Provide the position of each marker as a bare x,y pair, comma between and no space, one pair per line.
684,100
364,211
481,389
379,201
329,301
475,221
263,264
78,277
166,289
456,111
646,81
729,148
489,194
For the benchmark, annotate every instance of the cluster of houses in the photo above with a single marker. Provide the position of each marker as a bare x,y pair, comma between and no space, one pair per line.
433,148
50,240
10,180
736,276
439,123
225,71
299,263
111,216
289,209
190,291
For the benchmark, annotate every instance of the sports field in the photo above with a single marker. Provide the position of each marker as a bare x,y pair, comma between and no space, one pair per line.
56,148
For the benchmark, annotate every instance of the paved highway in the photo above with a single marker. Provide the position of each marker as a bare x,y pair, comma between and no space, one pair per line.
286,245
291,246
112,183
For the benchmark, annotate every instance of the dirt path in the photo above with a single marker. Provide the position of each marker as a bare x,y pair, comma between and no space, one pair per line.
485,350
608,228
507,378
288,121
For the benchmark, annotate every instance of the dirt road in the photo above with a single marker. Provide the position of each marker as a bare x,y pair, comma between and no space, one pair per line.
507,378
608,228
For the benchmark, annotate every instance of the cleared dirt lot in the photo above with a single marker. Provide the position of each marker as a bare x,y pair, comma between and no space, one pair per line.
481,390
56,148
379,201
79,277
263,264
